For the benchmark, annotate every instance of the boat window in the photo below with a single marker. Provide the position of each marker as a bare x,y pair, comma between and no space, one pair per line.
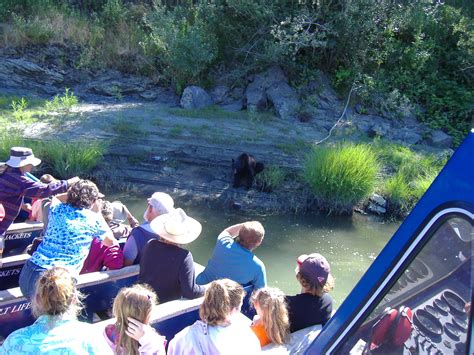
427,308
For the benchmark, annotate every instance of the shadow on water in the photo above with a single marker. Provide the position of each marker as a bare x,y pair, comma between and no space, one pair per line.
349,243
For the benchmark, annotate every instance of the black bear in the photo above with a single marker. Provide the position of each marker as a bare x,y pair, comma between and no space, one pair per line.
245,168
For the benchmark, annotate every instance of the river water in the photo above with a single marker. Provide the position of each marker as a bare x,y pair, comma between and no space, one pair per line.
349,243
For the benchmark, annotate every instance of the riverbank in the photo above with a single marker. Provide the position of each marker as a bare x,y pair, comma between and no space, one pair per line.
153,143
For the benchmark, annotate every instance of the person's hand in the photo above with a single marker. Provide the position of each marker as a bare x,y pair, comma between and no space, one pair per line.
72,181
27,207
137,329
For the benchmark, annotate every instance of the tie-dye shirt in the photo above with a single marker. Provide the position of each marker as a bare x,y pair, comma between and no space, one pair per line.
50,335
68,237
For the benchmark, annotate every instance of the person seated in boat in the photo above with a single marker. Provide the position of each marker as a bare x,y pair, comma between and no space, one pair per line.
222,328
67,239
271,323
15,185
159,204
233,256
114,214
131,333
314,304
165,265
56,305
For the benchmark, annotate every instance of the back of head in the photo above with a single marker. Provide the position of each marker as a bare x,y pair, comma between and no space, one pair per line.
56,294
161,202
221,297
82,194
275,319
251,235
136,302
314,274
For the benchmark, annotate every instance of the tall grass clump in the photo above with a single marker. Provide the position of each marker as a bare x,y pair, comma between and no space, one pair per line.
271,178
409,176
9,138
66,159
341,176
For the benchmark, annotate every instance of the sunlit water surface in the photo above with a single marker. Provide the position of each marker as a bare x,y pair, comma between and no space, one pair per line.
349,243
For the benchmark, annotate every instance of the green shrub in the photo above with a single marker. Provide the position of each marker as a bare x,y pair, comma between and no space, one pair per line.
271,178
399,194
409,175
183,43
66,159
9,138
341,176
62,102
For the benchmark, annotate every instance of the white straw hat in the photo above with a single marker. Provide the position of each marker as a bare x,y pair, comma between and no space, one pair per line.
20,156
176,227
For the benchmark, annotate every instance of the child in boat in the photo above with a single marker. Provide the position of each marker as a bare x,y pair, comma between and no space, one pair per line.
56,304
131,333
223,329
271,324
313,305
114,214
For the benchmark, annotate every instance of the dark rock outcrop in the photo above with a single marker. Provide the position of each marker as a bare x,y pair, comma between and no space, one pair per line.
195,97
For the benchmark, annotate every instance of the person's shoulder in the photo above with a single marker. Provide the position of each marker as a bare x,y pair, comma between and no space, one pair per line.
225,236
326,298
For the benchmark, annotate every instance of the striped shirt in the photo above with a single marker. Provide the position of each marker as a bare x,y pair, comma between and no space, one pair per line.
14,185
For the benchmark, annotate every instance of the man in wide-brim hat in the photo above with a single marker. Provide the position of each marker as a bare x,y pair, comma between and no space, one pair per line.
165,265
15,184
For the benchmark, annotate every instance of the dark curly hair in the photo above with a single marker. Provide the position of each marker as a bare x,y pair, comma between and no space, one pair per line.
82,194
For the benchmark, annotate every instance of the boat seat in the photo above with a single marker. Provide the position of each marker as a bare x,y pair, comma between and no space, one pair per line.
19,236
10,270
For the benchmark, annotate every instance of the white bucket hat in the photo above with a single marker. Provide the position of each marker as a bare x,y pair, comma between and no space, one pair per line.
176,227
20,156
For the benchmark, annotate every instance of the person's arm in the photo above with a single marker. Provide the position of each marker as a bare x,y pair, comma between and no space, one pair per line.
131,219
234,230
189,288
130,251
40,190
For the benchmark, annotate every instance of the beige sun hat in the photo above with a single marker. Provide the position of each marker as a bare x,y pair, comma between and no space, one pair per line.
176,227
21,156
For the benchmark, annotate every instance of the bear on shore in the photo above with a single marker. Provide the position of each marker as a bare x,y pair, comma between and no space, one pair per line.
245,168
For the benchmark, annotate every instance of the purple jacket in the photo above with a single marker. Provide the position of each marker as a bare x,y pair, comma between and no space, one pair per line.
14,185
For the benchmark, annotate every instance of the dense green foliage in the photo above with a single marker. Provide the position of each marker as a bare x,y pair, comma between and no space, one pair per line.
404,58
342,176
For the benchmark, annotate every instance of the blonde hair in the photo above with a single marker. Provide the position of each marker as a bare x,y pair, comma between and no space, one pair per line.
251,235
136,302
221,297
315,288
275,319
56,294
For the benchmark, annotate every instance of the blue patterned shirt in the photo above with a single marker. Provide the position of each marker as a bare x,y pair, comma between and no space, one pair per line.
50,335
68,237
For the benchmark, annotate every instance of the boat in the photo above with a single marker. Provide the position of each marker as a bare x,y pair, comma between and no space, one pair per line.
414,298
